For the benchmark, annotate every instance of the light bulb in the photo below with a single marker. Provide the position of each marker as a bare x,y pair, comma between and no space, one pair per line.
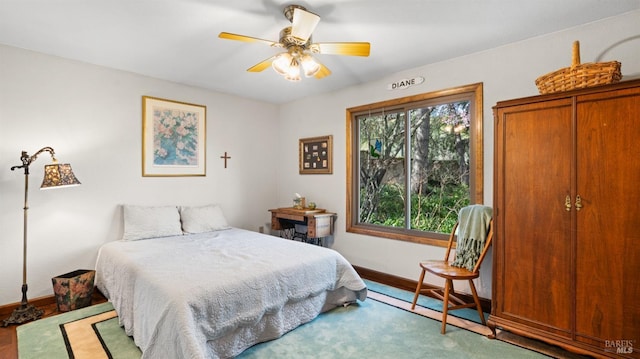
309,65
293,73
282,63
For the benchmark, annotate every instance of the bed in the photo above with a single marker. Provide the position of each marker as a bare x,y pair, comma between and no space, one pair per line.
215,293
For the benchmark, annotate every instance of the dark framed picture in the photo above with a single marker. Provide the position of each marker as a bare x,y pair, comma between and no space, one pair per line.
316,155
173,138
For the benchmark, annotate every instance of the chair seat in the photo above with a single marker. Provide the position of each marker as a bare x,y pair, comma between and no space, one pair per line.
444,269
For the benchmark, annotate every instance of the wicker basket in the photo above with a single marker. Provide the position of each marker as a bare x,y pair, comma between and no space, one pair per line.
579,75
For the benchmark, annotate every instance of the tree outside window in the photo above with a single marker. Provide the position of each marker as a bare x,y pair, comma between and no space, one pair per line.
415,197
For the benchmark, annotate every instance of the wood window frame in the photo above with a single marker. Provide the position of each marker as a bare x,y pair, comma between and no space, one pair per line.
476,149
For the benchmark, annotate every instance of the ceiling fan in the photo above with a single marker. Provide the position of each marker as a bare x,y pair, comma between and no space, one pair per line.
296,40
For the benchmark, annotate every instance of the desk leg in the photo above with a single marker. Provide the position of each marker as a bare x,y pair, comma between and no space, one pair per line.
275,222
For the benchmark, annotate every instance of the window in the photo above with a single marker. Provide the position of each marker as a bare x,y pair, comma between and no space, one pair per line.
414,197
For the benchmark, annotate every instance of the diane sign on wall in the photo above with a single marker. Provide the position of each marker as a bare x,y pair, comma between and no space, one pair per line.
405,83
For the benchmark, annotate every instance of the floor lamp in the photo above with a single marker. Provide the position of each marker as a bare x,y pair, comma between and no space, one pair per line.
55,175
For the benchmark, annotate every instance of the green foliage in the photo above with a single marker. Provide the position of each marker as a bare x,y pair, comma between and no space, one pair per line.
437,211
435,167
390,207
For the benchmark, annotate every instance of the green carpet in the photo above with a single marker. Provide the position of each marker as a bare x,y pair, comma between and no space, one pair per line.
370,329
44,338
374,329
423,301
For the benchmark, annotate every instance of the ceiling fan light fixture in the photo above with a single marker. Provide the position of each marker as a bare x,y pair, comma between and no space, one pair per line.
282,63
309,65
293,72
299,47
287,64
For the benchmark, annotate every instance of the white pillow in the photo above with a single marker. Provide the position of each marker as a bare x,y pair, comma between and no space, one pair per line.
142,222
202,219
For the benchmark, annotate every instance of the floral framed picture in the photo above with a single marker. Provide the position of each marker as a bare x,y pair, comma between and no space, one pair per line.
316,155
173,138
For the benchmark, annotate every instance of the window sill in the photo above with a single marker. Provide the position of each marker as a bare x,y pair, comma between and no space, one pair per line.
400,234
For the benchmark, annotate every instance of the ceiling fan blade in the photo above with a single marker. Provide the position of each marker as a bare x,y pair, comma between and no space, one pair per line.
303,24
342,48
261,66
323,72
230,36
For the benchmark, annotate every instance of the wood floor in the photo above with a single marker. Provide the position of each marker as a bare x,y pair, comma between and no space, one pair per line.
8,338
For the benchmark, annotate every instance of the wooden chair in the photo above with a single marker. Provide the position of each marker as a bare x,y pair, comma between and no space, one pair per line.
444,269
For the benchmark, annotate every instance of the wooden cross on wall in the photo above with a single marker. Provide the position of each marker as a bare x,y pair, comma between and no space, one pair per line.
225,157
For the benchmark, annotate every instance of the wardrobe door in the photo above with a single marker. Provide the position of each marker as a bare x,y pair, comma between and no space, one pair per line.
533,250
608,224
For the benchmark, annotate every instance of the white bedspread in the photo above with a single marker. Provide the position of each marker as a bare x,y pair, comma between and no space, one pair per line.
212,295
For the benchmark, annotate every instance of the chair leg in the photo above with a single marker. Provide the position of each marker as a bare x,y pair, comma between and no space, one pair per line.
418,288
477,300
445,304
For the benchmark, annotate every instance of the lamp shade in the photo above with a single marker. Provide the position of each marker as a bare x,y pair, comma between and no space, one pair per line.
58,175
282,63
293,72
309,65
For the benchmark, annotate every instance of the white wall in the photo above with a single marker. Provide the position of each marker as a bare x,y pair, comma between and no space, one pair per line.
507,72
92,117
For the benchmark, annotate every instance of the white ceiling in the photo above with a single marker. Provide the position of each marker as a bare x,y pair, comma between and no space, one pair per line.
177,40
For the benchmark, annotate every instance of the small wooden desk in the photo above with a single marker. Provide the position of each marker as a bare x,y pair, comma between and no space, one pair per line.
318,221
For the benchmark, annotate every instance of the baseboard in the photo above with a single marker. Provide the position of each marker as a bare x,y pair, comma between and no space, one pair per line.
7,309
410,285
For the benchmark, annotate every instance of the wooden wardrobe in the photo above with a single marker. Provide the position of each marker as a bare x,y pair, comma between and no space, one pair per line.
566,260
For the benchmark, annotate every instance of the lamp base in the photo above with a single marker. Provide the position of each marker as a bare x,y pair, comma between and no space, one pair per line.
23,314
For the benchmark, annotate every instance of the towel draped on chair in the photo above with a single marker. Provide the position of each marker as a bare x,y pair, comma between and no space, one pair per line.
472,232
